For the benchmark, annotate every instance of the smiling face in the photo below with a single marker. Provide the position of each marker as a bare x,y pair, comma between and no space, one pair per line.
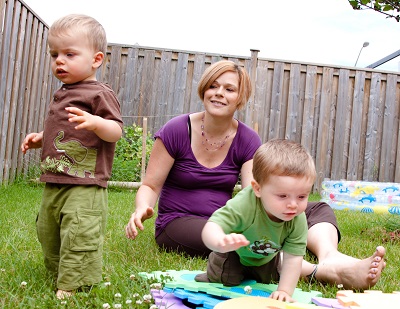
72,57
283,197
222,96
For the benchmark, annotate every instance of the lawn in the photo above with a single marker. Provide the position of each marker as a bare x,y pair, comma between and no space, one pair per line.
25,284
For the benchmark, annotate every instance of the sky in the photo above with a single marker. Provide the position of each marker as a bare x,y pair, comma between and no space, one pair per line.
326,32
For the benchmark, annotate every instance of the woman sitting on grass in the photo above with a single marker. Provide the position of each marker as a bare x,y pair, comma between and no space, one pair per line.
194,166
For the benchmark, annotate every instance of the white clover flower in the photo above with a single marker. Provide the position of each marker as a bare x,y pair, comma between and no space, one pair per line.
139,302
340,286
2,270
64,302
117,295
128,302
117,306
156,285
136,295
248,289
108,283
153,307
147,297
106,306
23,284
132,277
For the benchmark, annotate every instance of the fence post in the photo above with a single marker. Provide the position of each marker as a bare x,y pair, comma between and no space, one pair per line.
144,152
253,77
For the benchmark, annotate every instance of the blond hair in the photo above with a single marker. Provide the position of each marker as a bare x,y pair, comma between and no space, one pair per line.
87,25
280,157
217,69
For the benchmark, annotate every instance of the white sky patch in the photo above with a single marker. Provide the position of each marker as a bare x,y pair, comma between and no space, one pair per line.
318,31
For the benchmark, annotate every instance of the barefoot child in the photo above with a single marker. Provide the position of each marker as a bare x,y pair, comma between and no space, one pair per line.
248,234
78,142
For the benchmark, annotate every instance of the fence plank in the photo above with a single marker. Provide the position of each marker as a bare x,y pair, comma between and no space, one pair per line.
195,104
309,106
5,72
389,133
276,102
114,69
356,126
14,118
180,83
321,157
371,168
9,106
131,86
260,96
340,151
293,120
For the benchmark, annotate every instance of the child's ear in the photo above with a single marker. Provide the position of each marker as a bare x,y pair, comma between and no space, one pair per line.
256,188
98,59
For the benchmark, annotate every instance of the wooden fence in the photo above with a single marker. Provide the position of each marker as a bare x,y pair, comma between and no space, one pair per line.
348,118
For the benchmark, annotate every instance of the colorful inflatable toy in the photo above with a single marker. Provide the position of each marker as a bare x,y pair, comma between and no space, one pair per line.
364,196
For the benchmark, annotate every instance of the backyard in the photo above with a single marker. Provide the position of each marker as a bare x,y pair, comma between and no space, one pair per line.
25,284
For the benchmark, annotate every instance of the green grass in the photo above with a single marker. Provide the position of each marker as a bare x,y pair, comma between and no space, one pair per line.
21,256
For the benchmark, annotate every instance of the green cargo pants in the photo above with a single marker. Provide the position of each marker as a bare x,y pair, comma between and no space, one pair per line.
70,227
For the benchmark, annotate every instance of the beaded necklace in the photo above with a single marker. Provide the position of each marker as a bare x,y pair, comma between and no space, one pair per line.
211,146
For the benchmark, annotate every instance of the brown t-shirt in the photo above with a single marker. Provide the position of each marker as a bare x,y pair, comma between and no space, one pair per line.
71,156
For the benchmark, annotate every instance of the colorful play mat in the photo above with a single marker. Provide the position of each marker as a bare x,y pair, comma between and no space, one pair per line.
181,291
364,196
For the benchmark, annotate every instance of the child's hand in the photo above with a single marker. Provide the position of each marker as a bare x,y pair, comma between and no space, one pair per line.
232,242
32,140
282,296
84,119
107,130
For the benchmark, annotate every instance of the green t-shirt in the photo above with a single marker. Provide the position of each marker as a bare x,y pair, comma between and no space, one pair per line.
245,214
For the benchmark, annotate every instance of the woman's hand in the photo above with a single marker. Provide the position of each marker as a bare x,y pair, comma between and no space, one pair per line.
136,222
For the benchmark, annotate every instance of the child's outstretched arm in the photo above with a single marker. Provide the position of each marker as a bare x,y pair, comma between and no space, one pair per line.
289,276
32,140
215,239
107,130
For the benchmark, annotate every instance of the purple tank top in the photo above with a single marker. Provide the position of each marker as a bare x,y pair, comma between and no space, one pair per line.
192,189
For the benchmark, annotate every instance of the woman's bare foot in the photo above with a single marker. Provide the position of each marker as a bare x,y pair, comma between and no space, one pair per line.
61,294
350,272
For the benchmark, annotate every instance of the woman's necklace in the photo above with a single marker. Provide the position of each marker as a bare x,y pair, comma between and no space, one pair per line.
211,146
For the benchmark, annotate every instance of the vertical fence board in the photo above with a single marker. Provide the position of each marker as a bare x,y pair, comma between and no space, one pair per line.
389,133
9,103
356,126
131,86
309,106
4,75
180,84
342,114
114,71
293,121
195,104
321,156
370,172
260,96
14,119
276,102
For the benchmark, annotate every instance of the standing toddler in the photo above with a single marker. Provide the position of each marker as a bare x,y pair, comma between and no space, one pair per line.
81,129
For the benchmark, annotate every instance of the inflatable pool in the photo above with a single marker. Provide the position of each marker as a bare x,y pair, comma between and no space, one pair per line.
364,196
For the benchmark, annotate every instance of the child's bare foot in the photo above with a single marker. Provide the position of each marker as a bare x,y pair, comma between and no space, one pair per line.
353,273
61,294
